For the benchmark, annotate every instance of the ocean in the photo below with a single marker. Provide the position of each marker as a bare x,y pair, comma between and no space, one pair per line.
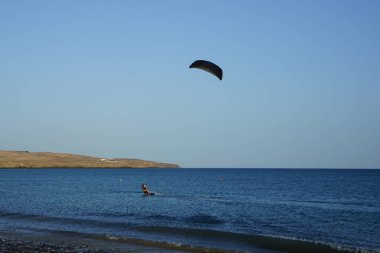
200,210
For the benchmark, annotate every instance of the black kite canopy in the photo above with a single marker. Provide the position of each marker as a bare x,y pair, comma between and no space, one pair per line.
209,67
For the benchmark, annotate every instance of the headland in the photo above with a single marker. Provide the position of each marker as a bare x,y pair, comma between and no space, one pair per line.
26,159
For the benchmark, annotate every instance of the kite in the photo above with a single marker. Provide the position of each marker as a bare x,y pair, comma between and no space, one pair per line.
209,67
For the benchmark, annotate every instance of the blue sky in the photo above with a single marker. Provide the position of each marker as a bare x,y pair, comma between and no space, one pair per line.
111,78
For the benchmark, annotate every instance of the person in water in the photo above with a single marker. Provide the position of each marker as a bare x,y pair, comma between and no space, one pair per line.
145,190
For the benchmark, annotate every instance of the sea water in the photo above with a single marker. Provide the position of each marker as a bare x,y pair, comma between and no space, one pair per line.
247,210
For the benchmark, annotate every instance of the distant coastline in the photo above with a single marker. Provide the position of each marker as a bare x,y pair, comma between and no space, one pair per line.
26,159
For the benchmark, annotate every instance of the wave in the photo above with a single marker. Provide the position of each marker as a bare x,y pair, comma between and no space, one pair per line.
195,219
35,219
263,242
182,238
258,243
138,241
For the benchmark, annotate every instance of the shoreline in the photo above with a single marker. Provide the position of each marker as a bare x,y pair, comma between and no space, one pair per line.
42,241
26,241
71,242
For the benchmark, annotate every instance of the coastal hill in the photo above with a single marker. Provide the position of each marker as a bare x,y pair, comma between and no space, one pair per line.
26,159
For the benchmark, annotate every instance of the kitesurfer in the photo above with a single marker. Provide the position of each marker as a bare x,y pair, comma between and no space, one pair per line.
145,190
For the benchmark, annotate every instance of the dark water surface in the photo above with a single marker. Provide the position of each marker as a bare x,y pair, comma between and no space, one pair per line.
258,210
